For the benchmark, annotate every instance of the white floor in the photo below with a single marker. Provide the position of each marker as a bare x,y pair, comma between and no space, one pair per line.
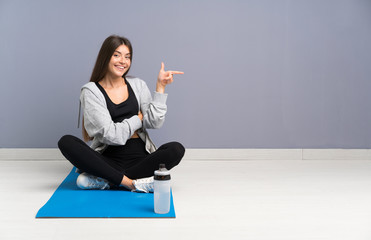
262,199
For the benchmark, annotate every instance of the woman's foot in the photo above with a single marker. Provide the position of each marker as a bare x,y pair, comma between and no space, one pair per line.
88,181
143,185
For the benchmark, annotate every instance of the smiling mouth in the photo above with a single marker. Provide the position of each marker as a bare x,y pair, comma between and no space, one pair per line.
120,67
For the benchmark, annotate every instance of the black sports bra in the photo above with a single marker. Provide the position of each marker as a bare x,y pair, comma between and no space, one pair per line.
124,110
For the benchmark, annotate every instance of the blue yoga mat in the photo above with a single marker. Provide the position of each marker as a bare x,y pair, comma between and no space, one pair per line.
68,201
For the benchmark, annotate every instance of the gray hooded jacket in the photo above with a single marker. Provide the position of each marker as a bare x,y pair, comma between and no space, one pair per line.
98,122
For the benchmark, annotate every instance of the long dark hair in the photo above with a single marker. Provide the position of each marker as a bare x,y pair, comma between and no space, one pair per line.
104,56
101,65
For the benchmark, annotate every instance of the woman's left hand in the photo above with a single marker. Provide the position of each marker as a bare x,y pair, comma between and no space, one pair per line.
164,78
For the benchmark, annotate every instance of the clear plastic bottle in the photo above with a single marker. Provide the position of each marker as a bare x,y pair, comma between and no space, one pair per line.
162,190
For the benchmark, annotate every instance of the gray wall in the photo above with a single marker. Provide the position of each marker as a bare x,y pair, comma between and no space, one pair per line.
259,73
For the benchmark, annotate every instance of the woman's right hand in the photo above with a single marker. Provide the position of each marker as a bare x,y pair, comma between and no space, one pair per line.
140,115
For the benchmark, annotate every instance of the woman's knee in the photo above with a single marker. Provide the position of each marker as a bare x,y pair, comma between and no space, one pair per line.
65,142
177,151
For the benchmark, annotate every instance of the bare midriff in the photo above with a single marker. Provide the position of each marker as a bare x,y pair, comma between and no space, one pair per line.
135,135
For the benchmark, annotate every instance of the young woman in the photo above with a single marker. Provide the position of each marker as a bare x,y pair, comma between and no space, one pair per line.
117,110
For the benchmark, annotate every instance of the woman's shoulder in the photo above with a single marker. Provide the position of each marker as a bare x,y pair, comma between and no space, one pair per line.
91,89
137,84
90,85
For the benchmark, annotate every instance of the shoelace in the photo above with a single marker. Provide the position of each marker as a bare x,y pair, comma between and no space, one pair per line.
97,182
145,184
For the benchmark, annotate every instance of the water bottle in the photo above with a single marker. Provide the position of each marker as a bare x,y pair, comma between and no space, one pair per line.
162,190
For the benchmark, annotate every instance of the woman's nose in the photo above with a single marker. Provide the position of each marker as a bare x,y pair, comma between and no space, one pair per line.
123,60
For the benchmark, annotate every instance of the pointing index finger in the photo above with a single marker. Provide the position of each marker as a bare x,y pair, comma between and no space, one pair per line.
176,72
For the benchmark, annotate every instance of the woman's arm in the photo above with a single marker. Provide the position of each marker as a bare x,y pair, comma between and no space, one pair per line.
154,109
98,122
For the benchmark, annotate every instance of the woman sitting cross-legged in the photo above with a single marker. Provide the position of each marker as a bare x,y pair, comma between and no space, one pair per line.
117,110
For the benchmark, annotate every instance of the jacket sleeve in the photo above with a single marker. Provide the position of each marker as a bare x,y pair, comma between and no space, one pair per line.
153,109
99,125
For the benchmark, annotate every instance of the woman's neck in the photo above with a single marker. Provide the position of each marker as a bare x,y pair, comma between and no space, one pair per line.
112,82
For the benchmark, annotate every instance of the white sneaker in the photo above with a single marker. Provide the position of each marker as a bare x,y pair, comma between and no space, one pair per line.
87,181
143,185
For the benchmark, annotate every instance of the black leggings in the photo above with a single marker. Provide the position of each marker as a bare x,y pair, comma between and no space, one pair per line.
131,160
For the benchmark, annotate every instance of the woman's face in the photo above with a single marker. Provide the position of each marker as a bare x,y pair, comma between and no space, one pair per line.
120,61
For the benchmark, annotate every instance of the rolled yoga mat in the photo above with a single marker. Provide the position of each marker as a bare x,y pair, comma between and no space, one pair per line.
69,201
